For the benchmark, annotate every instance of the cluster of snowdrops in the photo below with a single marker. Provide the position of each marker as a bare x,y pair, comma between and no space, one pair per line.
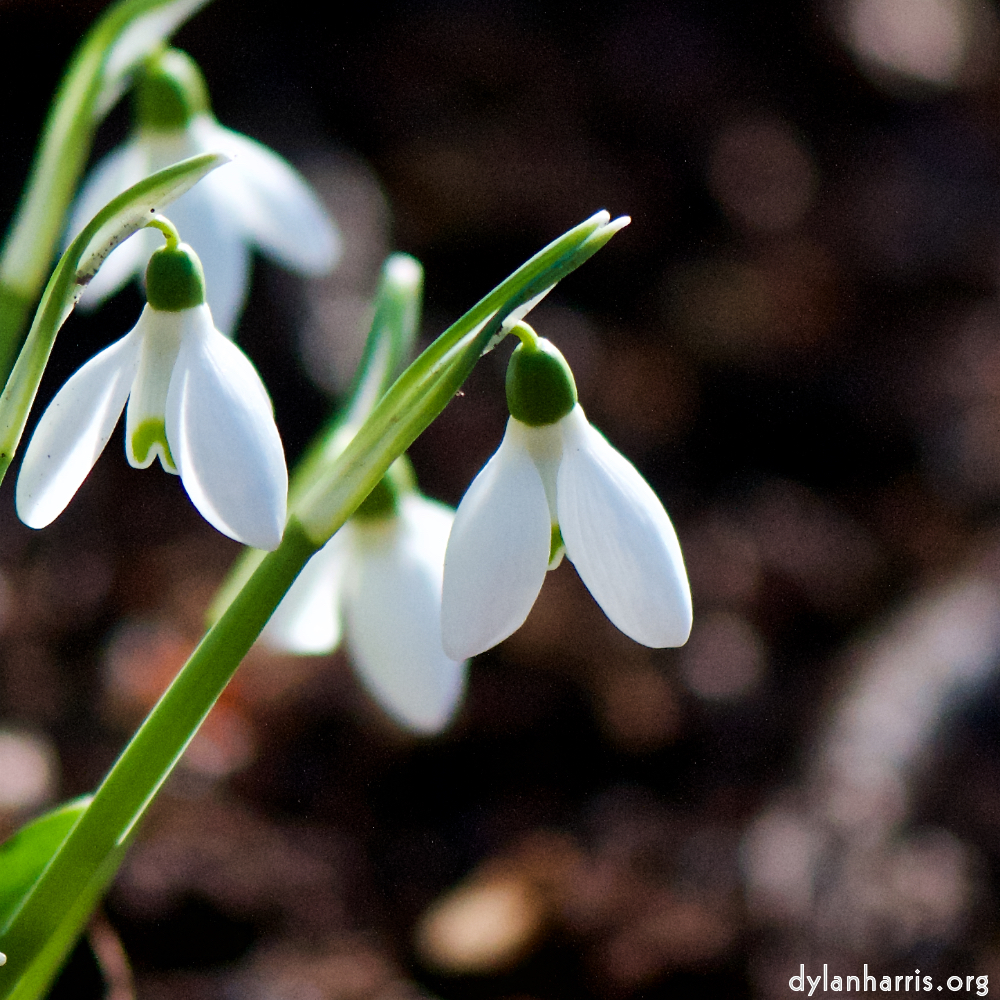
355,548
419,587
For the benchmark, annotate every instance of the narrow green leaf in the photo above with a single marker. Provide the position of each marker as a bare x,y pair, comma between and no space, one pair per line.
123,36
24,855
64,928
118,220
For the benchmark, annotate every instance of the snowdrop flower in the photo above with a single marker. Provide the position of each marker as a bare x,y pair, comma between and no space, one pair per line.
379,580
555,485
258,200
195,402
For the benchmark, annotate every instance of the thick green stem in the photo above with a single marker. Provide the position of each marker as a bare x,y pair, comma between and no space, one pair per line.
150,757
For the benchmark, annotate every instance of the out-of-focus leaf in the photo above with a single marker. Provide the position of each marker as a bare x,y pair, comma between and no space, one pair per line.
24,855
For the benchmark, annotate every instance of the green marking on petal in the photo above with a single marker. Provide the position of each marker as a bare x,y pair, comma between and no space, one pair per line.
557,547
148,435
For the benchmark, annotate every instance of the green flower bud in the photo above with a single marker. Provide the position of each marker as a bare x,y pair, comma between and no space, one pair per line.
540,385
383,501
175,279
169,92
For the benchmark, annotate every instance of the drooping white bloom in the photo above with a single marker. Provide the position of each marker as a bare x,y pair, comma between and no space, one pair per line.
194,401
558,483
379,580
259,201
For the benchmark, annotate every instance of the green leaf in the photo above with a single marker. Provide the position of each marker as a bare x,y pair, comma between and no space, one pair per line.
118,220
64,925
122,37
24,855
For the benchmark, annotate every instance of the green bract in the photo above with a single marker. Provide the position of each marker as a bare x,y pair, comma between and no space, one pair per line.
170,91
540,386
175,279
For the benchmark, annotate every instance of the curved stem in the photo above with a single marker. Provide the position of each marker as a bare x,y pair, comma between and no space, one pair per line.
94,79
166,227
525,334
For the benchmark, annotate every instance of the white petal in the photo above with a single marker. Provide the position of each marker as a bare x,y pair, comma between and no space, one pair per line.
167,148
620,539
307,621
278,209
221,432
498,551
206,222
74,430
393,605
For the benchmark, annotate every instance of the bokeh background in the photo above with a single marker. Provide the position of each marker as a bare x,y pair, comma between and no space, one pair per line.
797,341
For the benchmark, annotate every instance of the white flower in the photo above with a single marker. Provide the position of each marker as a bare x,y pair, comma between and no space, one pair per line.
194,401
259,200
561,476
379,579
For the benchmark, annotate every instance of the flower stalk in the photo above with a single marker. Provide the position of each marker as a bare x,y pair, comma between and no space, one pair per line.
104,828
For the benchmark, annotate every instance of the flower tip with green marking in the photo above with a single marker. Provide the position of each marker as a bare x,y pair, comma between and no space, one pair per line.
195,403
556,485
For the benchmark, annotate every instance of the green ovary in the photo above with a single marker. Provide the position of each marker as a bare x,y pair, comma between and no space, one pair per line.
148,434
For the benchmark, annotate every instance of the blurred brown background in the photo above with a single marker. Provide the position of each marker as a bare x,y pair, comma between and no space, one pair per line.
797,341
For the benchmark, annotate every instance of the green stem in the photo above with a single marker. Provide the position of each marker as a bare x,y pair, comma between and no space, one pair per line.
14,309
151,756
168,229
121,217
526,335
387,348
425,388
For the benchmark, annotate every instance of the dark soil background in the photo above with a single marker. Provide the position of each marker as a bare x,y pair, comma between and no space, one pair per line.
797,341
